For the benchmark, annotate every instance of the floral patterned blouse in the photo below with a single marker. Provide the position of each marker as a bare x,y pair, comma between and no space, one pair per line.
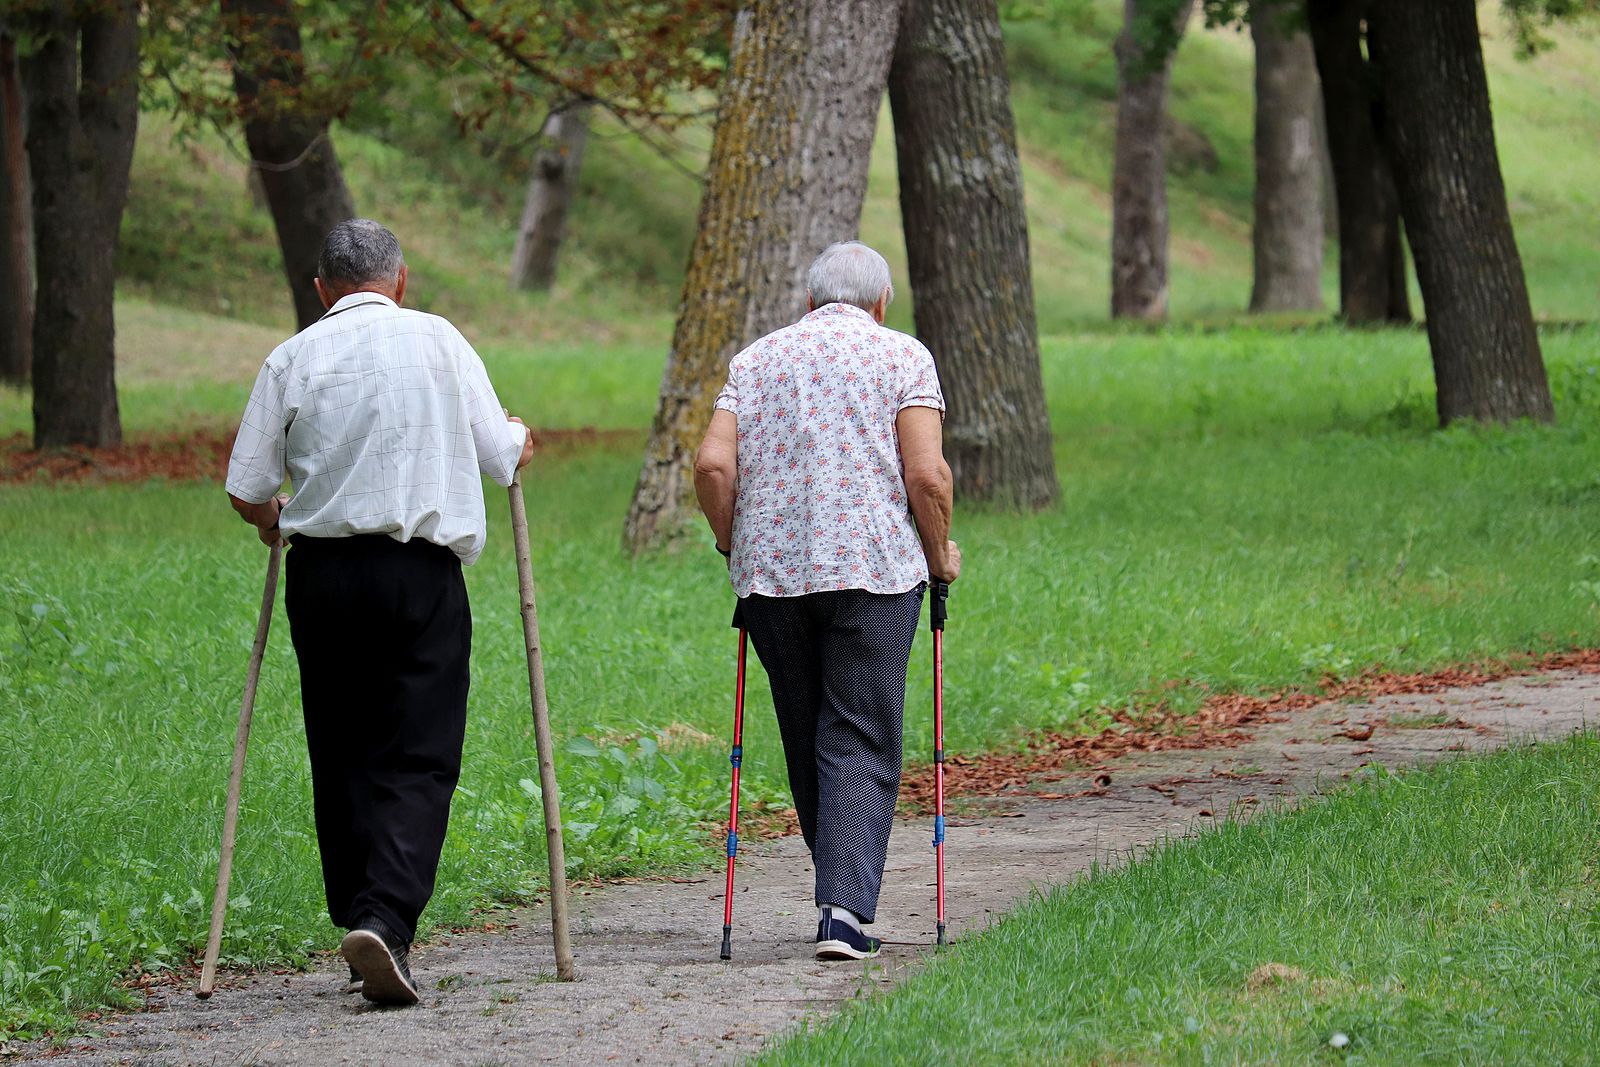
821,497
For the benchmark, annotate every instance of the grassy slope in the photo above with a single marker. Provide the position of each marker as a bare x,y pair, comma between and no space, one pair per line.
192,238
1445,916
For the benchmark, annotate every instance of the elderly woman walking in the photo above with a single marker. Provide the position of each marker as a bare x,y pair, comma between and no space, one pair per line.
824,446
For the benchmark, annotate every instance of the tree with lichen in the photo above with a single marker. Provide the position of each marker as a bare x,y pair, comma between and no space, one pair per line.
787,175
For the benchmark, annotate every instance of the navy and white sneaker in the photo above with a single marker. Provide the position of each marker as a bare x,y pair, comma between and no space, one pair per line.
838,940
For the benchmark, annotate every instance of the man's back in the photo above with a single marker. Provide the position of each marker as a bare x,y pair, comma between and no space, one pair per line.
389,421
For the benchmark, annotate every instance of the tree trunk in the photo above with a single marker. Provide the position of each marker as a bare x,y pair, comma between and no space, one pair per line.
1486,360
551,190
83,112
16,225
1372,258
1139,171
787,175
1287,236
289,146
966,237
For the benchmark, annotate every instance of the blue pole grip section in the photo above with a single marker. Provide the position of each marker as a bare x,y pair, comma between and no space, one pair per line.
938,830
733,844
737,755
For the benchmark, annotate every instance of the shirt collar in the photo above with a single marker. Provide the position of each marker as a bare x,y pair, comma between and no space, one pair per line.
845,310
345,303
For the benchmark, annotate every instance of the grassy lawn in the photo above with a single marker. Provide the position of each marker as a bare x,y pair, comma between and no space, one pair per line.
1441,916
1243,509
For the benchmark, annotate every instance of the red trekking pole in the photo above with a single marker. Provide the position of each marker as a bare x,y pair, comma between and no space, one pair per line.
936,618
735,757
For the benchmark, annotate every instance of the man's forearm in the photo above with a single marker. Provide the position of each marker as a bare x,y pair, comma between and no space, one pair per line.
263,516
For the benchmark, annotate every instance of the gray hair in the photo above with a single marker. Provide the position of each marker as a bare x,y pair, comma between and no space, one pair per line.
359,252
849,273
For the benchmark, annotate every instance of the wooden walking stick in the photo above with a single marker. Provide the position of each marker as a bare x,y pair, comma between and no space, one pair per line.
230,816
548,790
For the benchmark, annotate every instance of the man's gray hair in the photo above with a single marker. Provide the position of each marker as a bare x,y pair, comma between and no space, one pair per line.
359,252
849,273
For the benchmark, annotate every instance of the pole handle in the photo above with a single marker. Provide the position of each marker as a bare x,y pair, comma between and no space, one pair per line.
738,614
938,612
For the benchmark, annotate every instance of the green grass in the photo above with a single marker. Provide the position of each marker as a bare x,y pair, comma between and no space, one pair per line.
1242,509
1442,916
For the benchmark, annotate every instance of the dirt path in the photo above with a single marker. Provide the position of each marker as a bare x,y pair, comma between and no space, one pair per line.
653,990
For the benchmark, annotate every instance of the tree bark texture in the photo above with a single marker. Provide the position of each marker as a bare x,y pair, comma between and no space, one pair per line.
1287,236
967,244
551,190
1372,257
82,87
787,175
289,146
16,225
1139,171
1486,360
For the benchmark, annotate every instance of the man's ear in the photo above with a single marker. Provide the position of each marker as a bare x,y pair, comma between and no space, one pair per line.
811,305
881,308
400,286
324,295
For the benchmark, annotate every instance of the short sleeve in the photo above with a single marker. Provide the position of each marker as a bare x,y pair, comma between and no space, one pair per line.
728,399
920,388
255,469
496,440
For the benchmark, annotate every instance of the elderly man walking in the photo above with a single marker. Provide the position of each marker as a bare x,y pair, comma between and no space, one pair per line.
382,418
824,446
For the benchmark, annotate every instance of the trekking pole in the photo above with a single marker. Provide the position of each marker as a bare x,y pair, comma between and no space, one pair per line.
936,618
548,789
230,813
735,757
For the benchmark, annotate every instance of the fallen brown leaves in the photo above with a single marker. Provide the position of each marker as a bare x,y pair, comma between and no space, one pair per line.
1222,721
198,456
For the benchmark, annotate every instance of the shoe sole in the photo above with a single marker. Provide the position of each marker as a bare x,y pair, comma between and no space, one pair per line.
842,950
381,980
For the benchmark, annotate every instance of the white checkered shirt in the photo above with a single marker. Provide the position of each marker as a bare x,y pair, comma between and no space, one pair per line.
382,418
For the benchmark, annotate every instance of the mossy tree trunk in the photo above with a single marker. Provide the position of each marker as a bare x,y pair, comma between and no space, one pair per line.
788,172
82,87
16,224
967,242
288,140
1139,223
1287,236
551,190
1373,283
1486,360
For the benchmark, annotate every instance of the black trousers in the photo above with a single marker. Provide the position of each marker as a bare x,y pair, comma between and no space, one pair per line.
383,633
837,663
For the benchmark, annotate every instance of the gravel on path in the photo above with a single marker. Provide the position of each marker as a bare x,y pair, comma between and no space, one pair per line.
652,989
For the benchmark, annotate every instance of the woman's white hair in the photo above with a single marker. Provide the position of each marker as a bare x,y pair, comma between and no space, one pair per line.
849,273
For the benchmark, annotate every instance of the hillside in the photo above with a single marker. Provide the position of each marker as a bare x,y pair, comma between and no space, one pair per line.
193,238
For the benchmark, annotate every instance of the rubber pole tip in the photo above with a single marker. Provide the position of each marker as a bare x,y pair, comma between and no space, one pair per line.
942,940
203,994
727,942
